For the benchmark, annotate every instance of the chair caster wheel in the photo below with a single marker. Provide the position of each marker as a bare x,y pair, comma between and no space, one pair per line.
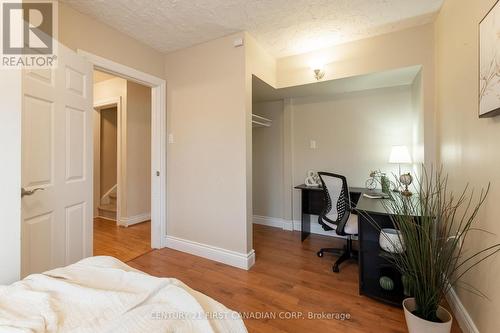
335,269
320,254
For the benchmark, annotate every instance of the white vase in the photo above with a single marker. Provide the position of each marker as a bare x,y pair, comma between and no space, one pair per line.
391,240
418,325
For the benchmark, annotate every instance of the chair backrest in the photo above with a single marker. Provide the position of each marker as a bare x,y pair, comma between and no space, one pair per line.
338,203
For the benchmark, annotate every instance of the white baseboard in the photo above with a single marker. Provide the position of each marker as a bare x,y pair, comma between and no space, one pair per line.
273,222
104,218
228,257
460,312
292,225
128,221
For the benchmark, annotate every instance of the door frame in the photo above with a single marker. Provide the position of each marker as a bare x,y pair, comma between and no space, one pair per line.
120,189
158,139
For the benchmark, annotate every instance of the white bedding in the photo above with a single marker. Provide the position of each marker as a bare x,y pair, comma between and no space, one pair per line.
102,294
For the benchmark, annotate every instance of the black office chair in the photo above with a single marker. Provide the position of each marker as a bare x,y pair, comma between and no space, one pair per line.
338,216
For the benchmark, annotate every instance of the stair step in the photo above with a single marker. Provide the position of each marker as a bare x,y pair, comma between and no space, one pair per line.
108,208
112,195
108,211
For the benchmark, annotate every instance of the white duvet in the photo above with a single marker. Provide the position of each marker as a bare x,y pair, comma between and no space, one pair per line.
102,294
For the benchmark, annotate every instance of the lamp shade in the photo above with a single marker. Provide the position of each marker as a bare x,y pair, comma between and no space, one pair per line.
400,155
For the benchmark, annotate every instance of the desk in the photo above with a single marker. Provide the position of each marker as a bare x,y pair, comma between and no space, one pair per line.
372,265
313,203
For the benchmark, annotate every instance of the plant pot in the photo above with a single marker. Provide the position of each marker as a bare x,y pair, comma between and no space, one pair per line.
418,325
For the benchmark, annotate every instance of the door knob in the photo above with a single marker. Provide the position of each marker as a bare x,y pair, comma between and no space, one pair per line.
30,192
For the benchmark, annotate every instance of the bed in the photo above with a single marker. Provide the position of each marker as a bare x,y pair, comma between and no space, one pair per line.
102,294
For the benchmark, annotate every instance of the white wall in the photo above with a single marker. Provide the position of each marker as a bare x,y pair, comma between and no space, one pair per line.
10,176
268,160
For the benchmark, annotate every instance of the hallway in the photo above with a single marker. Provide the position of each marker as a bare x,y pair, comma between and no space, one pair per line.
122,243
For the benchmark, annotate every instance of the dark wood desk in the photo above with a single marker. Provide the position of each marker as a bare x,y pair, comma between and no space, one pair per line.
372,264
313,203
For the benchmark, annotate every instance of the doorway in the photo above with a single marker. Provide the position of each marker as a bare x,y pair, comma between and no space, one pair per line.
158,172
122,166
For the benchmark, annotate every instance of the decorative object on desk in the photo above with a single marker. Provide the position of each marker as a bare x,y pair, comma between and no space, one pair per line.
406,180
434,260
391,240
371,183
386,283
489,69
399,155
312,179
386,183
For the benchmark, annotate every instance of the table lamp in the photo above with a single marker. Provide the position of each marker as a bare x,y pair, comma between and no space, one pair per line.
401,155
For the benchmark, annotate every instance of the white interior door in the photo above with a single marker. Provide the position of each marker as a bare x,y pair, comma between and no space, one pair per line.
57,223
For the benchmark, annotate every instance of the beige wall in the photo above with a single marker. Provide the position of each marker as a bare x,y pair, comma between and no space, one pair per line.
207,163
108,150
268,160
468,146
79,31
259,62
138,182
354,133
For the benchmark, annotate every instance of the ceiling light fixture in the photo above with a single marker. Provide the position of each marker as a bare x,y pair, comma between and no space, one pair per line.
317,65
319,73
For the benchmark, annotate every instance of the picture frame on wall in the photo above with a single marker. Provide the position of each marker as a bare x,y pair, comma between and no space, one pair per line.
489,63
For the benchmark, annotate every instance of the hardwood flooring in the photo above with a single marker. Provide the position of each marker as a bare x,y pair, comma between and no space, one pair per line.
122,243
287,278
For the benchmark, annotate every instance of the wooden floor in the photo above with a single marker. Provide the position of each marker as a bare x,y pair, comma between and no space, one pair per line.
287,277
122,243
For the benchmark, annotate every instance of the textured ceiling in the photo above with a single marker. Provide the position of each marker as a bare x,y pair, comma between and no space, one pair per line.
283,27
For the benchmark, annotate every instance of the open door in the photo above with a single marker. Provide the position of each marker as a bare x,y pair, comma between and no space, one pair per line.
57,177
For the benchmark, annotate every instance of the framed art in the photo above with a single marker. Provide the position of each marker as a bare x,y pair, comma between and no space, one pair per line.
489,63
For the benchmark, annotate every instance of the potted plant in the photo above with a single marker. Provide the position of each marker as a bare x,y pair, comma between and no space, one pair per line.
433,225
